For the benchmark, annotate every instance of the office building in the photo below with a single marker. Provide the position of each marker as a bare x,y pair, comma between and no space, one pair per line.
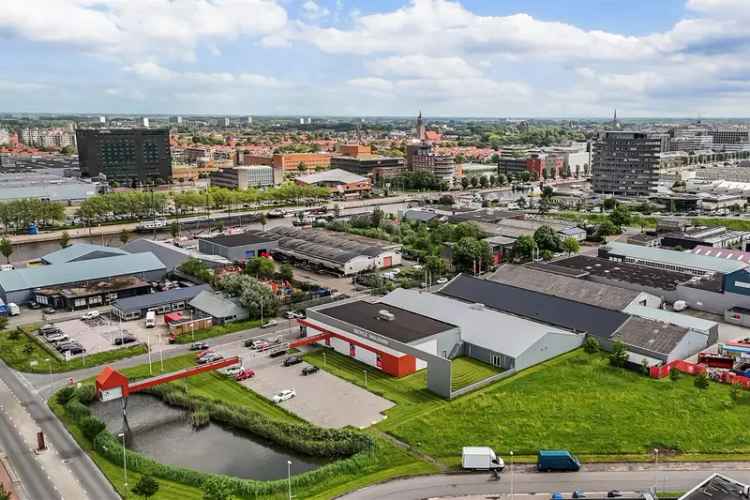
45,137
126,155
244,177
354,150
287,163
731,136
420,157
375,166
627,163
337,181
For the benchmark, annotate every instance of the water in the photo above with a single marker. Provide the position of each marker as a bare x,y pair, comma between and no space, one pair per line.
165,434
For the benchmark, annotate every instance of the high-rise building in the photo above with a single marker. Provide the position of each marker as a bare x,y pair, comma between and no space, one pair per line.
627,163
227,122
144,122
420,128
249,120
731,136
127,155
102,119
420,157
179,120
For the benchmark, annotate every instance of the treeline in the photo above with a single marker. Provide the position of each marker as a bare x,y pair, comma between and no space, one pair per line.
16,215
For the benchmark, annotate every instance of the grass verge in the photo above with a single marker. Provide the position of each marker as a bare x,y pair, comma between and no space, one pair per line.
217,331
26,352
467,371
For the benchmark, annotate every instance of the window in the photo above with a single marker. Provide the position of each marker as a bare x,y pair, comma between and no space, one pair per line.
42,299
79,302
497,360
96,299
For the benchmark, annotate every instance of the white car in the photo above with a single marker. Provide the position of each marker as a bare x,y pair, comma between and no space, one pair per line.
90,315
442,281
283,395
269,324
233,370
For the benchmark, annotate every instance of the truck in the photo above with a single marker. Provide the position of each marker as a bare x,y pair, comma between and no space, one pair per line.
556,460
13,309
150,319
481,458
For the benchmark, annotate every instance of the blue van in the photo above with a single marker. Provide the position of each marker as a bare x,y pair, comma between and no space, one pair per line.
556,460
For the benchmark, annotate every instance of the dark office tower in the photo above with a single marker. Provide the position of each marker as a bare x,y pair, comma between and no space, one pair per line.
627,163
125,155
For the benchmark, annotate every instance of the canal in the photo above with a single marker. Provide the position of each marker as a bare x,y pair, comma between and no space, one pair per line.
165,434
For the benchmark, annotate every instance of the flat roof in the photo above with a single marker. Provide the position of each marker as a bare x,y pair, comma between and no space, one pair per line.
717,487
332,175
406,326
81,251
638,274
538,306
674,318
241,239
672,257
154,299
649,335
596,294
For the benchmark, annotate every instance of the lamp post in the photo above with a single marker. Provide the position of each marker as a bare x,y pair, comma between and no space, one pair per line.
511,474
289,477
124,462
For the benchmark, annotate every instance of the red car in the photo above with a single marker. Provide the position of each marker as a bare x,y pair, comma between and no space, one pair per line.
200,354
244,375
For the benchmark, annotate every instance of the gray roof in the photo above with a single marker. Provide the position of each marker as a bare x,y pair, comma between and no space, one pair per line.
252,237
588,292
329,246
499,332
172,256
332,175
140,302
419,215
53,192
537,306
74,272
684,320
672,257
216,305
78,251
650,337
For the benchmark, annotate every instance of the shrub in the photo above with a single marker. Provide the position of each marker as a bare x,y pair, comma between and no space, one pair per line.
146,487
86,393
591,345
674,374
735,393
91,427
65,394
619,355
76,410
701,381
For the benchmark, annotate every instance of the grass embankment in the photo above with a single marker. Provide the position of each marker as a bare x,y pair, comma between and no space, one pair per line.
26,352
467,371
733,224
576,402
217,331
387,462
638,220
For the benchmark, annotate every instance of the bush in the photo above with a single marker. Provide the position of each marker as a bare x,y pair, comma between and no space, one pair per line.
64,395
591,345
76,410
674,374
86,393
701,381
619,355
146,487
91,427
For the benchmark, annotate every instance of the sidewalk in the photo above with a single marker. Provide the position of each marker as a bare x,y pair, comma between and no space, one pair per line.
50,461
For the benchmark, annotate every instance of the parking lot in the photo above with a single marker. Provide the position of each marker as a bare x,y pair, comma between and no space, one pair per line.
97,335
322,399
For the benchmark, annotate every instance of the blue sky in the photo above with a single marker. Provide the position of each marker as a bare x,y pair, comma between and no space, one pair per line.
387,57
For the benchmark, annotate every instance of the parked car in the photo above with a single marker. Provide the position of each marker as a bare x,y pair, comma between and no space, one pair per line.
557,460
124,339
244,374
209,358
276,354
46,329
198,346
283,395
90,315
257,344
34,305
579,494
269,324
233,370
292,360
49,310
71,347
614,494
309,370
293,315
441,281
56,337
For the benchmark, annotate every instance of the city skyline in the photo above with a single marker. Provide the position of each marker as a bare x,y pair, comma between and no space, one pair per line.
472,58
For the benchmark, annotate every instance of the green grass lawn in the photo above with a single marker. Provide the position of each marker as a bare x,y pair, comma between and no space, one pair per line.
466,371
217,331
27,353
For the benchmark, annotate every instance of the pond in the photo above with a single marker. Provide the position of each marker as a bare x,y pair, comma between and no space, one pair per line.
165,434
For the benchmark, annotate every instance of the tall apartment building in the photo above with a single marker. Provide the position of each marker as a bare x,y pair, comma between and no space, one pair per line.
420,157
543,165
627,163
731,136
244,177
125,155
46,137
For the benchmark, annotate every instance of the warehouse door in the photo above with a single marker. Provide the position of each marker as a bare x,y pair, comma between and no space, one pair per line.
387,261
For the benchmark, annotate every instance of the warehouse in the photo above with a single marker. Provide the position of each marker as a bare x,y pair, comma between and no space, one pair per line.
91,294
340,253
685,262
18,285
653,342
80,251
219,308
595,294
239,247
173,256
709,329
162,302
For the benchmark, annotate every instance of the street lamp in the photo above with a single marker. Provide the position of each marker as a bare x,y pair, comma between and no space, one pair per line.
124,462
511,474
289,477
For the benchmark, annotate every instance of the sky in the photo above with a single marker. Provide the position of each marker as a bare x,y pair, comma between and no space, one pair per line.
483,58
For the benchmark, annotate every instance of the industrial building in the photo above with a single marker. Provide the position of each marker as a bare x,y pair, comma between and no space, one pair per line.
244,177
126,155
90,294
337,181
239,247
221,309
376,167
80,252
340,253
173,256
686,262
18,285
161,302
717,237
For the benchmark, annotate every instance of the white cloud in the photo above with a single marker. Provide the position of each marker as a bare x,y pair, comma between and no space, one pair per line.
153,72
132,28
21,87
314,11
421,66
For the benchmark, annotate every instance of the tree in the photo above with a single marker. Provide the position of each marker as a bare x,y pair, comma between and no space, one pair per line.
547,239
607,228
701,381
620,216
483,182
174,229
571,245
591,345
609,203
493,180
91,427
6,248
260,267
547,192
301,167
377,217
124,237
64,239
502,179
263,220
474,182
524,247
464,183
619,355
146,487
286,272
471,255
4,494
674,374
216,488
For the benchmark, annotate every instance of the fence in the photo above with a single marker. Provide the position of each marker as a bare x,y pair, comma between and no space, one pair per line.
724,376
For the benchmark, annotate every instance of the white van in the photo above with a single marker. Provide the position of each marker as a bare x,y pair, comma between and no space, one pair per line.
481,458
7,267
150,319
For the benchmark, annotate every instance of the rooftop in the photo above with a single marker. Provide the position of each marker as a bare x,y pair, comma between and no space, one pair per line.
241,239
638,274
217,305
81,251
328,245
718,487
110,285
333,175
722,253
144,301
674,258
674,318
596,294
538,306
405,327
654,337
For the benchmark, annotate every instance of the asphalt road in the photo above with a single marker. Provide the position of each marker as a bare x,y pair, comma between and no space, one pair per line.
89,476
540,483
